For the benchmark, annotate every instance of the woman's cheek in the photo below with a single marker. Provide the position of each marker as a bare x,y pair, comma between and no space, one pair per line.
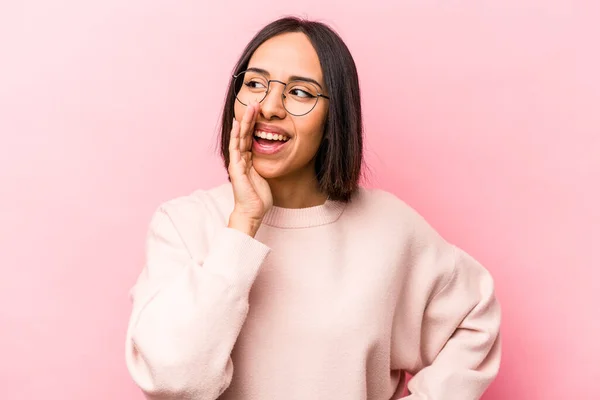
238,111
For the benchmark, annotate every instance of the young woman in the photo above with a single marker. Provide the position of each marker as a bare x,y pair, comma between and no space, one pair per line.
292,281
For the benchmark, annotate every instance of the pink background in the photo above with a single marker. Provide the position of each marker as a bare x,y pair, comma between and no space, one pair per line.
481,114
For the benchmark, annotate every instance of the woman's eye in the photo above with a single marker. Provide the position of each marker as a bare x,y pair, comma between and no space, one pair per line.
255,84
300,93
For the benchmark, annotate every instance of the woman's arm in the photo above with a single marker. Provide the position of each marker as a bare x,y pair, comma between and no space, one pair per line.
460,342
187,314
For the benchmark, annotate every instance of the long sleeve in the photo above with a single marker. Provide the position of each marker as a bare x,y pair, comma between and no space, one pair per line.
460,345
188,312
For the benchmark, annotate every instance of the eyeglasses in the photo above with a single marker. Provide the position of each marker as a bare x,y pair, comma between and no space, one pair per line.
299,97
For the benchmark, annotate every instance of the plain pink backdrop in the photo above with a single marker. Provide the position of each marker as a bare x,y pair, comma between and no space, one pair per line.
483,115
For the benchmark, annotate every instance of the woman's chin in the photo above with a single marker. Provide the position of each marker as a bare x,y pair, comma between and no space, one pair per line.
268,169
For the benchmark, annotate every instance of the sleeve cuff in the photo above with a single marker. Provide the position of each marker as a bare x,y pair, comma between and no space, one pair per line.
236,256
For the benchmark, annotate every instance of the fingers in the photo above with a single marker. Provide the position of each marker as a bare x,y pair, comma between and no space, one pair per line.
234,143
240,140
247,126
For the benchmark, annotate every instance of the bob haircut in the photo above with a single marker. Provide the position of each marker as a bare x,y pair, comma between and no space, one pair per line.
339,158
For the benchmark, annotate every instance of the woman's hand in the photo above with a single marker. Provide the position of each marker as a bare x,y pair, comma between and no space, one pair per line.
251,191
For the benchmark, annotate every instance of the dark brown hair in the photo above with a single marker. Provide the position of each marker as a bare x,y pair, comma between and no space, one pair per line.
339,158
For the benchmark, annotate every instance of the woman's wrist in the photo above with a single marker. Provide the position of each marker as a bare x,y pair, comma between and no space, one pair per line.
246,225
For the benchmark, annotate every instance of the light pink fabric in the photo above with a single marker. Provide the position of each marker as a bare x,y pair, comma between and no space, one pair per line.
329,302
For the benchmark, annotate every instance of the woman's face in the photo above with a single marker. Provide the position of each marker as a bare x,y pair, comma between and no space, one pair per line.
283,58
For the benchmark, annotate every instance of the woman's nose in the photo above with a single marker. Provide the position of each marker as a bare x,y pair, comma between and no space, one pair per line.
272,104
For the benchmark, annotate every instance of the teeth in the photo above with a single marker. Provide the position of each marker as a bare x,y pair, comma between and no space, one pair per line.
270,136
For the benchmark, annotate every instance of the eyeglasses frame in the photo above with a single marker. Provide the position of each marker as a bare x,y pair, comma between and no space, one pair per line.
283,96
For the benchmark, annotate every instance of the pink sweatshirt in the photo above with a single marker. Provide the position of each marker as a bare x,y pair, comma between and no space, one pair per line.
337,301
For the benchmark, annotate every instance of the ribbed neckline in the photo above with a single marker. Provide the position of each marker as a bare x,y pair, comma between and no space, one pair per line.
308,217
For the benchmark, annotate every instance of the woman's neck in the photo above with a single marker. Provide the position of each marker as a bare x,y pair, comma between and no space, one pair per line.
297,192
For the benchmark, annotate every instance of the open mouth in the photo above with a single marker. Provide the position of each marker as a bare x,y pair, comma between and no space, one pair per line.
269,142
268,136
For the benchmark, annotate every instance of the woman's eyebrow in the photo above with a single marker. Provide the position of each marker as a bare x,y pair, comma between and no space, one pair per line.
305,79
292,78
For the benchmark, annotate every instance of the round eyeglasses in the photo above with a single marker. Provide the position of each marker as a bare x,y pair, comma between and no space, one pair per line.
299,96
